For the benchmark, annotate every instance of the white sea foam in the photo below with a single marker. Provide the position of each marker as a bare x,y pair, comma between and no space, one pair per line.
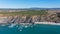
12,25
3,25
20,30
26,26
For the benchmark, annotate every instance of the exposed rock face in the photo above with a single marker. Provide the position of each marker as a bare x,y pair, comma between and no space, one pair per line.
30,19
3,19
22,19
36,18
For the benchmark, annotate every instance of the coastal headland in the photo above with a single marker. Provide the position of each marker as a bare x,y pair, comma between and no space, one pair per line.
29,16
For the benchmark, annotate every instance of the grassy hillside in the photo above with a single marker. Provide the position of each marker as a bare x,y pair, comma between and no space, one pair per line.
29,12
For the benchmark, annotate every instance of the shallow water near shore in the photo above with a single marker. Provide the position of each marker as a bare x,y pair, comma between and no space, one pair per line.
30,29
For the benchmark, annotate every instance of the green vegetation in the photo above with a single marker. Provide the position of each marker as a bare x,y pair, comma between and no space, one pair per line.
29,12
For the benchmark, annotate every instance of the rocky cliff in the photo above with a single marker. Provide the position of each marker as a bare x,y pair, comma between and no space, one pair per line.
30,19
24,19
20,19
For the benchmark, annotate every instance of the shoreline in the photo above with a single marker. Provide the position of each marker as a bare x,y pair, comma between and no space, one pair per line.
50,23
47,23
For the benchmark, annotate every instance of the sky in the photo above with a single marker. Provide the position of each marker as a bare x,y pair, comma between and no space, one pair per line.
29,3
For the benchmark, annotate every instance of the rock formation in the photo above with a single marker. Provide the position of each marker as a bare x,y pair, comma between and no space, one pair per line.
31,19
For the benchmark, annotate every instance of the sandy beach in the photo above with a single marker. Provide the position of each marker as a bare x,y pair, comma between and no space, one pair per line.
50,23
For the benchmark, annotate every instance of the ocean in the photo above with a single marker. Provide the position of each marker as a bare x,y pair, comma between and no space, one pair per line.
30,29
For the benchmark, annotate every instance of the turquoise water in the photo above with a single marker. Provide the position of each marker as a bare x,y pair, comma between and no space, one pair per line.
33,29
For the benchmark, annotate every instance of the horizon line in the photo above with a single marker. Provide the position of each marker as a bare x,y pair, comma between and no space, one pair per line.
19,8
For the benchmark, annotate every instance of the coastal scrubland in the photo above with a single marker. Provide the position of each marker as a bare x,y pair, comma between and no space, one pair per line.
29,12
